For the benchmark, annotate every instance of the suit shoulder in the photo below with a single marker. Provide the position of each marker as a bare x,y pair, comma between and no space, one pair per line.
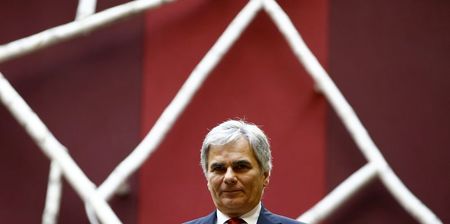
195,221
211,218
285,220
275,218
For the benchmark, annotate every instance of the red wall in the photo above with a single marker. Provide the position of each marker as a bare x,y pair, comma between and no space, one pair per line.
99,94
390,59
87,91
258,80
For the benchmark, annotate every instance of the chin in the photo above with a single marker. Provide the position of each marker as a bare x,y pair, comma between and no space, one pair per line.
232,203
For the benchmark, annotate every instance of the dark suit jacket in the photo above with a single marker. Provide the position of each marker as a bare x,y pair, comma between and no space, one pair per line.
265,217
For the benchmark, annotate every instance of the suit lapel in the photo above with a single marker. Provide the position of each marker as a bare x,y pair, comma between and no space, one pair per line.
266,217
211,218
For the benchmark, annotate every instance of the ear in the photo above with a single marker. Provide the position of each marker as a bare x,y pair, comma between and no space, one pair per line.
266,179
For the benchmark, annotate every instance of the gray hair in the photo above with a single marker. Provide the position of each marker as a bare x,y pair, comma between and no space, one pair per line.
231,131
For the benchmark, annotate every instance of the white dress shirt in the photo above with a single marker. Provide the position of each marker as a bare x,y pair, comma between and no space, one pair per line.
250,217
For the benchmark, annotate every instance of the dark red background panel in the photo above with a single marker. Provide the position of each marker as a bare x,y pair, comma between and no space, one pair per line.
390,59
259,80
101,92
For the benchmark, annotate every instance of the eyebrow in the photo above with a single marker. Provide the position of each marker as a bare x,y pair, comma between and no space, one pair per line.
217,165
234,163
242,162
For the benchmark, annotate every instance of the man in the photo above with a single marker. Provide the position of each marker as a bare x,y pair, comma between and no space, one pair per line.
236,160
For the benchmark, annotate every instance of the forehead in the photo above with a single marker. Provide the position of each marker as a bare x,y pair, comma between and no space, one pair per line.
238,150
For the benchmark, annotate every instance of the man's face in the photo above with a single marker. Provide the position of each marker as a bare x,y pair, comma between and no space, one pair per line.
235,179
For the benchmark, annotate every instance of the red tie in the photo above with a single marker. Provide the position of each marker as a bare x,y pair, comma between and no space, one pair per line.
235,221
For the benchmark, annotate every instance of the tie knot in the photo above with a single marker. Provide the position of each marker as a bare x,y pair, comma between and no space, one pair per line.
235,221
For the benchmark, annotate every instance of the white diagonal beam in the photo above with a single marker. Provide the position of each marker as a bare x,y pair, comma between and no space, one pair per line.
340,194
54,150
359,134
54,187
324,83
406,198
85,8
53,197
73,29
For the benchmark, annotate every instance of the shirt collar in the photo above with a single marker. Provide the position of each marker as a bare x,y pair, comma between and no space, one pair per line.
250,217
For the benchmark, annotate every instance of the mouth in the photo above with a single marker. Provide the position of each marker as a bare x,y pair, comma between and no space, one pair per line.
231,192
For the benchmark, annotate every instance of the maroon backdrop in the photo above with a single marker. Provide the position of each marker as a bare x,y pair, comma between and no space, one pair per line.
258,80
87,91
100,94
390,59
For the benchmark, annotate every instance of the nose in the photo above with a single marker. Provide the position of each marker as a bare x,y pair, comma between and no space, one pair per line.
230,176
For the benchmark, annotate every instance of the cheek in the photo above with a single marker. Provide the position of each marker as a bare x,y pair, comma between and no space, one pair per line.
257,184
213,183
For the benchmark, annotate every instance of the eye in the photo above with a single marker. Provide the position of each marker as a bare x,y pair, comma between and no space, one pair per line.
241,166
218,168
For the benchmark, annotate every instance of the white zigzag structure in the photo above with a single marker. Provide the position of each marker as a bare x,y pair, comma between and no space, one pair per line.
96,198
